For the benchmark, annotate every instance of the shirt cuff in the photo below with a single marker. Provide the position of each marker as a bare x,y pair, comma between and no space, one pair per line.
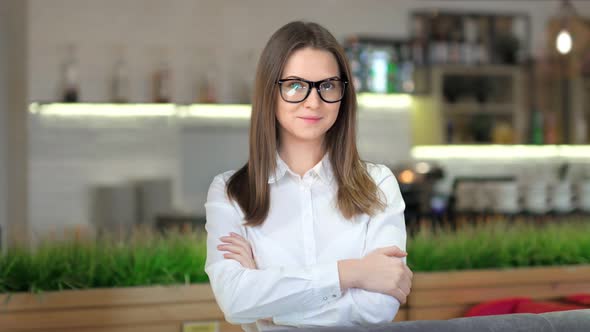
326,283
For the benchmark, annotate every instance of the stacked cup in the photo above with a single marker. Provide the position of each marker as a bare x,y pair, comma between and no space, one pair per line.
535,197
482,200
561,197
584,195
506,197
465,196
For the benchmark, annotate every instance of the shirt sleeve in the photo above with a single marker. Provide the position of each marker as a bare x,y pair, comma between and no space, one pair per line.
358,306
246,295
387,228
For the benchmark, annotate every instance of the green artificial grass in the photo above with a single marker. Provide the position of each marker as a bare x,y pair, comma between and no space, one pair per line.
179,258
142,260
500,245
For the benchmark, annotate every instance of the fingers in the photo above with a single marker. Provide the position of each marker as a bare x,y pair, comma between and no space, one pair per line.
405,286
240,259
409,272
232,248
238,249
401,283
399,295
245,261
392,251
406,280
237,240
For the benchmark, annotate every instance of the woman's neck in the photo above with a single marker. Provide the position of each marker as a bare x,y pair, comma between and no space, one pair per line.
301,156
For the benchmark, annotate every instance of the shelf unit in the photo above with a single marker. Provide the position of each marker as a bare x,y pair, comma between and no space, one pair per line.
470,108
457,111
566,84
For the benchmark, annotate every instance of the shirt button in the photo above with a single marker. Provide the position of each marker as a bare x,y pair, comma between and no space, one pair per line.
325,298
333,295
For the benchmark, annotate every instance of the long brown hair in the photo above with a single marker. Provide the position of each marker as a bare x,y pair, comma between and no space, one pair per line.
357,192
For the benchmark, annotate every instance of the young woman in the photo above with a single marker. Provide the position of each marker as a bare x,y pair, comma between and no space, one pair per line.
306,234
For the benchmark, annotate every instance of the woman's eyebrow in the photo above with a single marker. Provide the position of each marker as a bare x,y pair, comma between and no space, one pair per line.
301,78
293,76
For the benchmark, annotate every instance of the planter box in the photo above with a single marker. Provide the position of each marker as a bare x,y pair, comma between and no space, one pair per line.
444,295
402,314
136,309
438,295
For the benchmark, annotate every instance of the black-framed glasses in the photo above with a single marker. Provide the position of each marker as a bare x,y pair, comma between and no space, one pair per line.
296,90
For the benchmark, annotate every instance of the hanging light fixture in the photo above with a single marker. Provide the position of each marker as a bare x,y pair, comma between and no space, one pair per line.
564,40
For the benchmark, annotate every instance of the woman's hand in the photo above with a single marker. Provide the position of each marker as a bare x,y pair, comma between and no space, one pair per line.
386,273
381,271
238,249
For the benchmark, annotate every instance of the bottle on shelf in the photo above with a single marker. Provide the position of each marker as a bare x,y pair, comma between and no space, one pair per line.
456,40
537,130
483,41
440,47
161,81
519,30
353,53
120,79
379,65
70,92
502,133
208,93
418,44
406,70
450,132
439,52
506,44
552,132
580,128
469,47
392,71
418,52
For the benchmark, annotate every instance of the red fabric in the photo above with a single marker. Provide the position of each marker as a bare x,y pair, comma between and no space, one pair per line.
583,299
497,307
538,307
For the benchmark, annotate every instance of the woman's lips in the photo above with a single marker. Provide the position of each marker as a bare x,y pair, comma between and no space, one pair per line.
310,119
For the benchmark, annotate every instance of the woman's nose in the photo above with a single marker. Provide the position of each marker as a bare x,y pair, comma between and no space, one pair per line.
313,100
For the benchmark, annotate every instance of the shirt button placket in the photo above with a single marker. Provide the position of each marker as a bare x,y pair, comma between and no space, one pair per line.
304,226
308,221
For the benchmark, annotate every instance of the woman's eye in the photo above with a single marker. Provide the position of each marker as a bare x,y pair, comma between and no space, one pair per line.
295,86
327,86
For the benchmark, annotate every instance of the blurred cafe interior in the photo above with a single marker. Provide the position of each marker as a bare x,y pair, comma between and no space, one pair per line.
117,113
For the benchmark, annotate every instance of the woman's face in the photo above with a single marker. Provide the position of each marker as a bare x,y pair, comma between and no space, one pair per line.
310,119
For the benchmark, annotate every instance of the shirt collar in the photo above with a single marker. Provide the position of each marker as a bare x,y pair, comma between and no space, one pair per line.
280,170
323,169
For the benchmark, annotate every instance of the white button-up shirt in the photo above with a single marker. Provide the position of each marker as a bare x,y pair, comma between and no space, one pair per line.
297,249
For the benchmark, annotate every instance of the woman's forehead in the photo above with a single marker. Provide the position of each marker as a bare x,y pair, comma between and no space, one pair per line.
311,64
